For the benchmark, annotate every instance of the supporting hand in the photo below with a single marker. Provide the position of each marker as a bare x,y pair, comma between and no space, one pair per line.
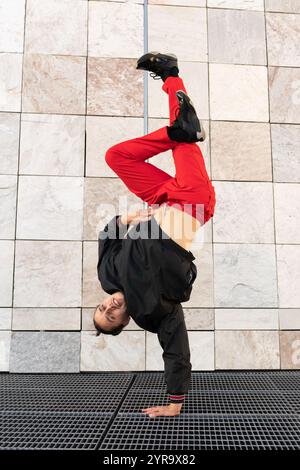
173,409
137,216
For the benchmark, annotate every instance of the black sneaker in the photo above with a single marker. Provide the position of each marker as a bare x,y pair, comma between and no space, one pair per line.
187,119
159,64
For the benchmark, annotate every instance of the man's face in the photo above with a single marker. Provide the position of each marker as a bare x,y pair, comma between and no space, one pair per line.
111,313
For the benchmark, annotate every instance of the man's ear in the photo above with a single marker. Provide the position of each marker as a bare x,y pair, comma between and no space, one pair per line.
125,322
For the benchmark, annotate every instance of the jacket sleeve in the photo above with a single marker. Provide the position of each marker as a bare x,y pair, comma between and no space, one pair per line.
110,238
173,338
109,245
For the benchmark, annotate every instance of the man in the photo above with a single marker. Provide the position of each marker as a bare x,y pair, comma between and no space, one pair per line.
144,262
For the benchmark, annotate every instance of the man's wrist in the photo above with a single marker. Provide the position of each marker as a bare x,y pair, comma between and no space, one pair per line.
176,406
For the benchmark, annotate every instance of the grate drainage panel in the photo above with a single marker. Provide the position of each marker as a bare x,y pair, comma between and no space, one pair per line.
223,410
60,431
200,432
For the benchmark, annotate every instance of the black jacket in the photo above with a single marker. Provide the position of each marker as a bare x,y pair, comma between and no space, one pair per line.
155,274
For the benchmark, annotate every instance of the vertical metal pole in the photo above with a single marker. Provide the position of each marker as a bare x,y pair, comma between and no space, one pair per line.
145,73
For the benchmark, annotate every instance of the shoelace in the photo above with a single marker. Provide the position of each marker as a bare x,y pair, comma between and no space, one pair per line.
153,75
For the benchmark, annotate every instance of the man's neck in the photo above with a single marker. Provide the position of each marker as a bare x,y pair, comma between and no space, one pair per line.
179,225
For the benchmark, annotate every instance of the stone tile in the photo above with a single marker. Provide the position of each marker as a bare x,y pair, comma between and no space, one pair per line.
199,318
239,93
203,235
289,318
245,275
10,82
50,208
283,33
113,17
92,293
46,319
237,37
5,318
240,215
286,155
193,30
154,360
111,353
101,133
288,266
45,352
119,1
56,27
9,142
194,3
48,274
52,144
290,349
54,84
195,77
246,319
87,321
6,272
202,293
287,212
201,347
4,350
104,198
287,6
241,151
252,350
8,190
284,95
238,4
112,93
12,16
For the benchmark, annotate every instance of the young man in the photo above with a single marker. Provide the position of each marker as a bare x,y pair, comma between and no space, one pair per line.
149,271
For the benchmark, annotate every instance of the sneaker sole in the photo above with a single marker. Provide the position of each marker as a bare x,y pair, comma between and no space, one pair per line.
144,60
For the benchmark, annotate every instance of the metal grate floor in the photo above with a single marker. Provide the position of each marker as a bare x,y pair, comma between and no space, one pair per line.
218,402
223,410
47,431
203,432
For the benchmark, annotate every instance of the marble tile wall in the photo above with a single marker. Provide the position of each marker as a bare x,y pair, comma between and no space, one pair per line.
68,91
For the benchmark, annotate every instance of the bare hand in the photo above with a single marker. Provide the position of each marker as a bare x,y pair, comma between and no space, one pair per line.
137,216
173,409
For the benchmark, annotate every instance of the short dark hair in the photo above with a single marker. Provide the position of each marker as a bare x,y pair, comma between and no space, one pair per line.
115,331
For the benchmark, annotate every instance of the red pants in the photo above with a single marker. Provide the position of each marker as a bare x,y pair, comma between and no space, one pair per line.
190,190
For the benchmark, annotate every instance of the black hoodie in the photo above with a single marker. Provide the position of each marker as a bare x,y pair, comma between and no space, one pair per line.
155,275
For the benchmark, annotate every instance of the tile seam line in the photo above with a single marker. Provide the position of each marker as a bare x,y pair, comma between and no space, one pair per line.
209,126
17,187
115,414
83,175
234,121
274,186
